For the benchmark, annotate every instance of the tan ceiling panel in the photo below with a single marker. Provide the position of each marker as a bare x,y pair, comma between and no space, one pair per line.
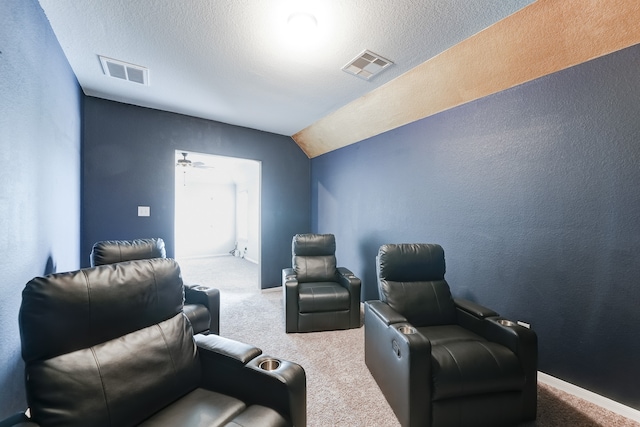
543,38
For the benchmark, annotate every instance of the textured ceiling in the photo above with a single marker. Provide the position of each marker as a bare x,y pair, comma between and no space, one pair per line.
227,60
543,38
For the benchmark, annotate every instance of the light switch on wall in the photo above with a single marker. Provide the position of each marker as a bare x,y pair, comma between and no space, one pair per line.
144,211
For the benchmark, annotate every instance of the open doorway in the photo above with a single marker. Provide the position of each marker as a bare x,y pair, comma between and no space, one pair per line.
217,209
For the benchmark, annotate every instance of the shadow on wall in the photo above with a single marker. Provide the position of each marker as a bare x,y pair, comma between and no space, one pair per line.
50,267
12,382
12,376
369,247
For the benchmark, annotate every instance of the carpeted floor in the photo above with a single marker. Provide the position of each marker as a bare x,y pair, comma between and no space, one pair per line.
340,389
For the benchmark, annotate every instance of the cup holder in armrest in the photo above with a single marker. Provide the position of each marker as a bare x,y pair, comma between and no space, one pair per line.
269,364
505,322
407,330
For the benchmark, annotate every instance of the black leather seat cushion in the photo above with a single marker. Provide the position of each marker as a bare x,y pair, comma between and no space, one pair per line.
464,363
463,368
205,408
259,416
323,296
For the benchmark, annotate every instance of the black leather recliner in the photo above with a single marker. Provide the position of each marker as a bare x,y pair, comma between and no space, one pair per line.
202,303
111,346
441,361
318,296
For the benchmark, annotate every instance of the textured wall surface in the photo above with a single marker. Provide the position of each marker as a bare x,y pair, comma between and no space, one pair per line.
129,160
40,174
533,193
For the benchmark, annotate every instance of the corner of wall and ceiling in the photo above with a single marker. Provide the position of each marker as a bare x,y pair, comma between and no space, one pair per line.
545,37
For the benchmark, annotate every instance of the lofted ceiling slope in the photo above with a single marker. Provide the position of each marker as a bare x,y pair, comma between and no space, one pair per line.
542,38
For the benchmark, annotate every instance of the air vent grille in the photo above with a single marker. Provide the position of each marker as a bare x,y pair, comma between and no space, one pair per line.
125,71
366,65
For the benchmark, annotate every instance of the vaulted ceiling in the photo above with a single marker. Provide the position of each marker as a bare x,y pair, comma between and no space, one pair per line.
235,61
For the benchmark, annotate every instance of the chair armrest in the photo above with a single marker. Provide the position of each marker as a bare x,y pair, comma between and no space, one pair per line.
218,349
18,420
283,388
353,284
288,274
234,368
349,280
290,297
473,308
385,313
210,298
399,362
345,272
524,343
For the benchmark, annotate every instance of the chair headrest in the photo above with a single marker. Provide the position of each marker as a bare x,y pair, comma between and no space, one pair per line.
313,245
111,251
411,262
64,312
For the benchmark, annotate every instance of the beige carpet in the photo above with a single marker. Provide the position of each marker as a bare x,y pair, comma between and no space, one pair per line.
340,389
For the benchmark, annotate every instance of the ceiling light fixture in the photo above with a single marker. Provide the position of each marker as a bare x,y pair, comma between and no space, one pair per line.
302,26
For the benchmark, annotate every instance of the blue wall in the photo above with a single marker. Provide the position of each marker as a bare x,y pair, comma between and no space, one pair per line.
534,195
40,106
129,160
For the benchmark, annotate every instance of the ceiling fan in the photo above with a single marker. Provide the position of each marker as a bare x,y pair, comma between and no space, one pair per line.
185,163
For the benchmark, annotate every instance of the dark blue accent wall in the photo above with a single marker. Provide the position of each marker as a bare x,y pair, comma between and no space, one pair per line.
129,160
40,106
534,194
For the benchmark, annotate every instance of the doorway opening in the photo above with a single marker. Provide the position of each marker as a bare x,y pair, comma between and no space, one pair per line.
217,209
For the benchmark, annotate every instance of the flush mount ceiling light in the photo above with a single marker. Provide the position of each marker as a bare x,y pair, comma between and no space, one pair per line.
366,65
124,70
302,26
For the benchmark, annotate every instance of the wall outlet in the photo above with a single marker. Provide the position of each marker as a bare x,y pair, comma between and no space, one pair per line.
144,211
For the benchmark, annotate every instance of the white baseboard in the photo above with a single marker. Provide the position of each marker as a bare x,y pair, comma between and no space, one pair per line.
589,396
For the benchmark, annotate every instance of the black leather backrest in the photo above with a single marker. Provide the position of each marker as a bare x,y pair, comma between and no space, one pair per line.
314,257
111,251
108,345
411,280
64,312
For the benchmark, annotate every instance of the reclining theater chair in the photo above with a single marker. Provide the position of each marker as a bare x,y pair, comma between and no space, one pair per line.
317,295
441,361
202,304
111,346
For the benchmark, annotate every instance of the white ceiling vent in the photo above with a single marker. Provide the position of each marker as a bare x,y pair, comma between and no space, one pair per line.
366,65
124,70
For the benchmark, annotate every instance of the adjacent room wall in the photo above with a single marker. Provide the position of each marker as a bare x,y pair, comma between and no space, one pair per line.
205,215
533,193
129,161
251,187
40,175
